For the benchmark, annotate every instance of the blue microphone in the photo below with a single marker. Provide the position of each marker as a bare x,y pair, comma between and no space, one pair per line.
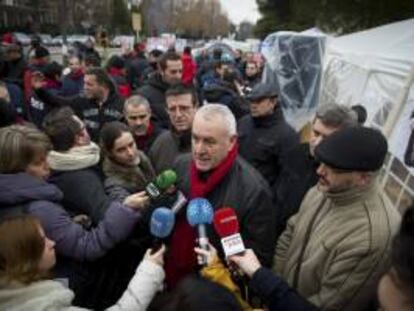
161,224
199,213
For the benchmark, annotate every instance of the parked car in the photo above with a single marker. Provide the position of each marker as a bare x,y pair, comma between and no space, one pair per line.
21,37
46,39
58,40
80,38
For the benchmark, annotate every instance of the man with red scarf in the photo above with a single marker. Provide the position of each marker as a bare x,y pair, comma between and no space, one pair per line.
215,171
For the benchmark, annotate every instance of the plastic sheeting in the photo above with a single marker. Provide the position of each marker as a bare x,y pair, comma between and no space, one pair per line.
294,66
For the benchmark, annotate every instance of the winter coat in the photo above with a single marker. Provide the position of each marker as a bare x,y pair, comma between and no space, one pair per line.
83,192
121,181
136,66
167,147
298,175
41,199
189,69
264,142
72,84
276,293
16,99
154,92
335,249
221,93
244,190
93,114
52,295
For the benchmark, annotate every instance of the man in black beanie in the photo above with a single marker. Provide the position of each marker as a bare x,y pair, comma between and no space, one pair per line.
336,247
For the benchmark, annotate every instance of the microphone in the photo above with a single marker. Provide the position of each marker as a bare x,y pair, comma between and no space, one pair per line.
227,227
179,202
161,183
199,213
161,224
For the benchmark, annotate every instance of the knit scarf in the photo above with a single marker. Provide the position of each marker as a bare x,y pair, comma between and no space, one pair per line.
135,177
181,259
76,158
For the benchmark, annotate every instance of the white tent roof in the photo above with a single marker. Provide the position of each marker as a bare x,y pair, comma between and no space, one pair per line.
392,40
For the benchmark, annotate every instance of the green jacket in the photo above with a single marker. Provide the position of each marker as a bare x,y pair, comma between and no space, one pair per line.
336,247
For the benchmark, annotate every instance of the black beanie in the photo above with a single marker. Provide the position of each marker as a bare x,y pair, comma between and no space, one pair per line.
355,148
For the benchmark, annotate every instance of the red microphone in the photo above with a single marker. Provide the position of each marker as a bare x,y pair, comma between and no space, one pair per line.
227,227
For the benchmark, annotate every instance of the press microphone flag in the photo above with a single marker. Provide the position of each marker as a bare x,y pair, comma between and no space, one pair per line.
161,183
161,224
226,225
199,213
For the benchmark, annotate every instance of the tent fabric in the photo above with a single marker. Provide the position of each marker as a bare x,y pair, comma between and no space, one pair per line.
375,68
370,68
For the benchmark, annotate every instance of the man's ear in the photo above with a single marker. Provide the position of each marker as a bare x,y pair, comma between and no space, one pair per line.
233,140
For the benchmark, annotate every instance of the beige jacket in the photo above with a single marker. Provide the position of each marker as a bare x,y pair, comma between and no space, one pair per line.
345,239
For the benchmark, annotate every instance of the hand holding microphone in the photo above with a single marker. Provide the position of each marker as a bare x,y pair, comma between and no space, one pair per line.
200,213
247,262
162,183
227,227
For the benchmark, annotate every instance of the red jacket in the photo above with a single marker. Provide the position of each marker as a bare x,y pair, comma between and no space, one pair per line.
189,69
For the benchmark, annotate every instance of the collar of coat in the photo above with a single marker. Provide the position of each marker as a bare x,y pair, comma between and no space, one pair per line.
355,194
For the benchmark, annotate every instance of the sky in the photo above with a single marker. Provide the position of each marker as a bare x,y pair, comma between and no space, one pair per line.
240,10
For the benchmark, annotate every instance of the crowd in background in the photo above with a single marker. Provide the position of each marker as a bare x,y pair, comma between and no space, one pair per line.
79,146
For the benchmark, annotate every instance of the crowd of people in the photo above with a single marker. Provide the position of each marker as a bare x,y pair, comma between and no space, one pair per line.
79,147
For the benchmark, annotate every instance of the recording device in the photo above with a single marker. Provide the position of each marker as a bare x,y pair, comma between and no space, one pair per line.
199,213
161,224
161,183
227,227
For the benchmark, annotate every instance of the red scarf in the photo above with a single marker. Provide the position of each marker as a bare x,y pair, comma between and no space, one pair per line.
181,259
75,75
142,140
116,72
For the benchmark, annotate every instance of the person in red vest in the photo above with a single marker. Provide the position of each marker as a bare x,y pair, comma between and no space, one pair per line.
189,66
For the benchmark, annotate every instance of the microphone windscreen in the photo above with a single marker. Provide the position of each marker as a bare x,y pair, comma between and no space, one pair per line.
166,179
162,222
226,222
199,211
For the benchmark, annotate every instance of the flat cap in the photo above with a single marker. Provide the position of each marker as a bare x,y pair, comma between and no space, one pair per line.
354,148
262,90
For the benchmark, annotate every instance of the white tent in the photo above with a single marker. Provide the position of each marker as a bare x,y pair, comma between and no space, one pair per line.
375,68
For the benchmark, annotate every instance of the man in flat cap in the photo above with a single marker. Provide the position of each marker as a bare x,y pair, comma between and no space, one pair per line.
264,134
335,248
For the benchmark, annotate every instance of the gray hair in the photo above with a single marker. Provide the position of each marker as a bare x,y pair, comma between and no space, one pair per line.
337,116
214,111
136,101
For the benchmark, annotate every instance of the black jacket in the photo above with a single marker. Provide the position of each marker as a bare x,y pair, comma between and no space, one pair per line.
298,176
264,142
88,110
221,93
276,293
154,92
83,192
247,192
